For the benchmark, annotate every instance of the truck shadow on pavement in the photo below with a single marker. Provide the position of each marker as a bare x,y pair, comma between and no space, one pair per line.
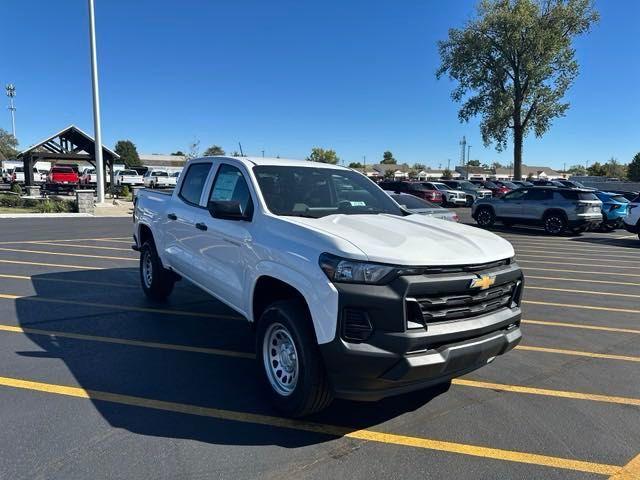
225,382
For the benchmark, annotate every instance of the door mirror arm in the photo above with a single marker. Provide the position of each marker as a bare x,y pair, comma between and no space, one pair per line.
228,210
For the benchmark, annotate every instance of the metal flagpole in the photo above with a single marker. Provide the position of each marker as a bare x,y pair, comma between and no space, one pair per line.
96,105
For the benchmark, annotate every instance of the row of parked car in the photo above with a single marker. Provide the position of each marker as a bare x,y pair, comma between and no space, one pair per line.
68,178
557,205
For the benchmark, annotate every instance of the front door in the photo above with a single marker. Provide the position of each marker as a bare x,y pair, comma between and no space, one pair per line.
511,204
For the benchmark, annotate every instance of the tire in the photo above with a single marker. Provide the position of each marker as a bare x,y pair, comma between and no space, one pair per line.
302,386
485,217
157,282
555,223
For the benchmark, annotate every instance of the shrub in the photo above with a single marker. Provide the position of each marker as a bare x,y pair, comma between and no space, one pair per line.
45,206
15,188
30,202
125,191
10,201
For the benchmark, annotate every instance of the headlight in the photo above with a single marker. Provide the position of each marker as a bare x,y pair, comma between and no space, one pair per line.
340,269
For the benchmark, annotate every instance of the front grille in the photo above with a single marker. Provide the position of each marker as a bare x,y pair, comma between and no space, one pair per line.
471,303
464,268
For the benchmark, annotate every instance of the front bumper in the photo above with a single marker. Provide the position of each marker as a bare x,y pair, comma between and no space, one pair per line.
395,359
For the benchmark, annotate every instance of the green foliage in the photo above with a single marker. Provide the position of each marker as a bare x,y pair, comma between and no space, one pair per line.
447,174
194,149
15,188
596,170
577,170
10,201
497,165
324,156
128,153
213,151
473,163
387,158
356,165
389,174
41,206
125,192
513,64
633,171
178,153
419,166
8,144
614,169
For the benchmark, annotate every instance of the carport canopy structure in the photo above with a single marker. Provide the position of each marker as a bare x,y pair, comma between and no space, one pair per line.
70,144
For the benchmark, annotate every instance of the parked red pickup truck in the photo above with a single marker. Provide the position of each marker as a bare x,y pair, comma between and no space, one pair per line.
62,179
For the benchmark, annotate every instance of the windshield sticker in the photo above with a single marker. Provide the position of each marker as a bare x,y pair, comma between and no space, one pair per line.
224,187
357,204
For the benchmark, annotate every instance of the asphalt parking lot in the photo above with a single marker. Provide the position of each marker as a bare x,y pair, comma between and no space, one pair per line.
98,382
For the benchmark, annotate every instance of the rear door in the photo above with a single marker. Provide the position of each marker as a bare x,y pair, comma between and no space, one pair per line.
180,221
536,202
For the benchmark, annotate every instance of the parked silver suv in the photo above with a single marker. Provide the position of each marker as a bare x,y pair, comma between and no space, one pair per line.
556,209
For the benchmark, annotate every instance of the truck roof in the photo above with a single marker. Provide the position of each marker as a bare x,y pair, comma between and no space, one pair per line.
285,162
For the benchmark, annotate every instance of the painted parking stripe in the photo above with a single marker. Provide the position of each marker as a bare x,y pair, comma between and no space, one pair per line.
564,257
547,392
312,427
126,341
583,307
631,471
66,254
582,271
75,245
65,280
58,265
577,264
578,353
564,251
109,239
601,328
113,306
589,292
584,280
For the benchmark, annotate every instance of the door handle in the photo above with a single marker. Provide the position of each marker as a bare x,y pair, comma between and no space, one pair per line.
201,226
172,216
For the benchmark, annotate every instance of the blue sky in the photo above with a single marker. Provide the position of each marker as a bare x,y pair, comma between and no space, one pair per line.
284,76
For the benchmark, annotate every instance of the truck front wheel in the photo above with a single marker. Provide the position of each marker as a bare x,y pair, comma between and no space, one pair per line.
290,360
157,281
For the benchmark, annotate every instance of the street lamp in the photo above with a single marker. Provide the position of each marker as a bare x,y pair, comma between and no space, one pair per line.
11,93
96,105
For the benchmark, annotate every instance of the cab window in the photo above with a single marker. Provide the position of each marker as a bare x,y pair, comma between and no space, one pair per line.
230,186
193,183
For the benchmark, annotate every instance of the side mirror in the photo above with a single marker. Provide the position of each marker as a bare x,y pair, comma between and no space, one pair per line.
228,210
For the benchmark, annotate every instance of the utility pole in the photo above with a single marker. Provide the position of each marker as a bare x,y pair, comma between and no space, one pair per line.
364,164
11,92
96,105
468,159
262,153
449,164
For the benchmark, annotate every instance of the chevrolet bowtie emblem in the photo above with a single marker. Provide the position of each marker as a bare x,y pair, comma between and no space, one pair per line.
484,282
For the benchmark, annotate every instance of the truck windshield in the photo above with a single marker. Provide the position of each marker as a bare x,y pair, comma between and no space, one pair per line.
318,192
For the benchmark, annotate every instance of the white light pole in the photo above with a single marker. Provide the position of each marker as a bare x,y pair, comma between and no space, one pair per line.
96,105
11,92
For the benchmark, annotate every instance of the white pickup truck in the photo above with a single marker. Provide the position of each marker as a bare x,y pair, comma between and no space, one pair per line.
351,296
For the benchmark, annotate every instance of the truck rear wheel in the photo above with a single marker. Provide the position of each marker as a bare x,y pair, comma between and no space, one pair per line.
157,282
290,360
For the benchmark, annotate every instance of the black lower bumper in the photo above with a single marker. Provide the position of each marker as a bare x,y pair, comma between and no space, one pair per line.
632,228
395,359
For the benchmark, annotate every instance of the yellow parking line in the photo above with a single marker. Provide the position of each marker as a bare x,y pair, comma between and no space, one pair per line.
547,392
312,427
565,279
579,353
43,252
546,255
590,292
75,245
584,307
124,341
119,239
5,296
40,264
583,271
582,326
631,471
114,240
40,278
577,264
573,251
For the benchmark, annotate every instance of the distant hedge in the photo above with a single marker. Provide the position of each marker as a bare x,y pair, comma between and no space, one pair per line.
42,206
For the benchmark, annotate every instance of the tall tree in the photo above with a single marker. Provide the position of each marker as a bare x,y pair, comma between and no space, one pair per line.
577,170
447,174
324,156
128,153
355,165
8,144
179,153
419,166
194,149
614,169
513,64
596,170
473,163
213,151
633,171
387,158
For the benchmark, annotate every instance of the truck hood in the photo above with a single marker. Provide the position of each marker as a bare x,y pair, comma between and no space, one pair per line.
412,240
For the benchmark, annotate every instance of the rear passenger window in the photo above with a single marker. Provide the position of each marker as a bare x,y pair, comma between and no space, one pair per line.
538,195
193,183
